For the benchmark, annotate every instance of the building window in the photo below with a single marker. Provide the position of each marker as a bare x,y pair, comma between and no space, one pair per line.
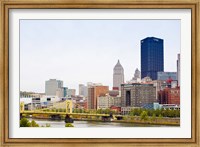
128,98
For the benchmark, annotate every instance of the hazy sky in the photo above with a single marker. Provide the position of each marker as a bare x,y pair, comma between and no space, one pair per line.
81,51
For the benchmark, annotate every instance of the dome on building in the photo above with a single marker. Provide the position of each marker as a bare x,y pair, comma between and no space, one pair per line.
137,73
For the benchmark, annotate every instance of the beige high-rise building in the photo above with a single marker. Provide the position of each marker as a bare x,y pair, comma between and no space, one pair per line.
83,90
118,76
71,92
52,85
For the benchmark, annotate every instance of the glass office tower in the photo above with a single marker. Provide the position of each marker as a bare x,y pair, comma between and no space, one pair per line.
152,57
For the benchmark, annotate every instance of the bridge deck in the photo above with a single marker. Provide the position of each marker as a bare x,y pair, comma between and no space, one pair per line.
64,113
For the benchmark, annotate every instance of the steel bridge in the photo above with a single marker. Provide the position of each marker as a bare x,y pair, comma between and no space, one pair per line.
68,112
60,113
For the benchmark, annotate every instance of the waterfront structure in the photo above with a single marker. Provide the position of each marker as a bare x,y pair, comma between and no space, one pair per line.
118,76
116,109
178,69
52,85
105,102
126,110
137,95
152,57
170,106
93,93
83,90
166,106
166,75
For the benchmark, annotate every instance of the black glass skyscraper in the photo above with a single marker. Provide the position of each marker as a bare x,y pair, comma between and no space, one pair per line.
152,57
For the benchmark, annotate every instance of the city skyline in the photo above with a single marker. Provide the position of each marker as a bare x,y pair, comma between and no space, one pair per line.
78,51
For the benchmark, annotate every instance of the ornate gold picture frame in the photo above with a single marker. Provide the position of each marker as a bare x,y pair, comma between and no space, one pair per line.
6,5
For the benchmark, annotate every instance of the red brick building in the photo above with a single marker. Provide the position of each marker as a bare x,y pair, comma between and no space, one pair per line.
93,93
169,96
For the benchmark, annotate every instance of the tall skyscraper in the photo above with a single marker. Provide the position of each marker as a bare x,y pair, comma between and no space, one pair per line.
93,93
137,76
178,70
118,76
83,90
71,92
152,57
137,73
52,85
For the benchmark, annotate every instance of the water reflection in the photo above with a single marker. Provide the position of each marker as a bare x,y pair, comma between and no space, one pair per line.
85,124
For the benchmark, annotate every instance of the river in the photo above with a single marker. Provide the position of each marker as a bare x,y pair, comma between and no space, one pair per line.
85,124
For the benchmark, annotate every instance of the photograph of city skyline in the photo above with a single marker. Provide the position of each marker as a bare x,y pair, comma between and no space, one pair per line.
100,73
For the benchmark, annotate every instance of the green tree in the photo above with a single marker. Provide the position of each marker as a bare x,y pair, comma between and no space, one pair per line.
132,112
153,118
150,112
177,113
136,112
48,125
24,122
160,116
68,125
34,124
99,111
157,112
81,110
125,117
144,115
107,111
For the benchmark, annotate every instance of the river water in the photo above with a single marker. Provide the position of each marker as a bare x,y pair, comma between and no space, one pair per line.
85,124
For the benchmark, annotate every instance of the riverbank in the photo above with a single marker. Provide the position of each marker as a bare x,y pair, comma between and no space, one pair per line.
126,119
170,122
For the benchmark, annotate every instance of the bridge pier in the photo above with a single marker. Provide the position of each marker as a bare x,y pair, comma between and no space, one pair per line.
119,117
55,117
68,119
21,116
106,118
